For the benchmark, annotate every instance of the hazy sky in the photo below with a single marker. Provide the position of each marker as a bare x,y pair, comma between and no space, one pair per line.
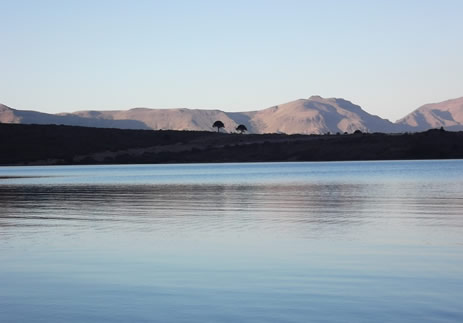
387,56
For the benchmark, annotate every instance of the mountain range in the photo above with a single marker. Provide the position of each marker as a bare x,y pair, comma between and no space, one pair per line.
315,115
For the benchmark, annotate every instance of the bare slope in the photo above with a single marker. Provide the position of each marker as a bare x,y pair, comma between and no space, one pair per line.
317,115
305,116
9,115
166,119
447,114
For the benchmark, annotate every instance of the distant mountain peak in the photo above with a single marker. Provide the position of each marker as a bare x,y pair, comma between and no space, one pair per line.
447,114
4,107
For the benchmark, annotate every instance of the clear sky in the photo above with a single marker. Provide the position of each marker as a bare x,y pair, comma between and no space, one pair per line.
387,56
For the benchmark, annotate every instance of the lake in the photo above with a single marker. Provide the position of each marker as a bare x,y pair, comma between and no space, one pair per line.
256,242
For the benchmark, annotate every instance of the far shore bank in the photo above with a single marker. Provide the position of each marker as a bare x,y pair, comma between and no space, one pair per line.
69,145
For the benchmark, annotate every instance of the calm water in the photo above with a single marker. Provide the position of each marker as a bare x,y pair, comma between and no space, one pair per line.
279,242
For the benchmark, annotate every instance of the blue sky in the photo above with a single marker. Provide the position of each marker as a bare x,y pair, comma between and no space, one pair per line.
387,56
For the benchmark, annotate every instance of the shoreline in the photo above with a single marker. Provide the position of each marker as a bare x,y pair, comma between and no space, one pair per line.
40,145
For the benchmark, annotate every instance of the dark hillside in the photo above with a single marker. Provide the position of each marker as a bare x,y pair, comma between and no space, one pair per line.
52,144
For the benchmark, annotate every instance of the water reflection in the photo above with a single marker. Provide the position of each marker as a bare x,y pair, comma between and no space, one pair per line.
325,242
302,208
307,210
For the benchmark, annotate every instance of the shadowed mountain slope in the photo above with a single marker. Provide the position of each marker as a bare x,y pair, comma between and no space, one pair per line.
167,119
447,114
9,115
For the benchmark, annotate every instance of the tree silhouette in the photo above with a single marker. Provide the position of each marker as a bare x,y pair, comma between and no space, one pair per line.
218,124
241,128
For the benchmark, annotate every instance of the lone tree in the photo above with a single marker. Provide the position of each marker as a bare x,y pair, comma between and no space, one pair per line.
218,124
241,128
